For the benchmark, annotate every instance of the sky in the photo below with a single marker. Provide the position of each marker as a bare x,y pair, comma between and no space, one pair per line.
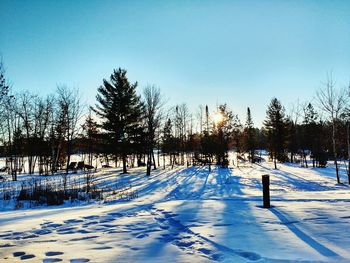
241,53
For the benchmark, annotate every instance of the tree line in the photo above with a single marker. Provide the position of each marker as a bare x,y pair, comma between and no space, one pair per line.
40,134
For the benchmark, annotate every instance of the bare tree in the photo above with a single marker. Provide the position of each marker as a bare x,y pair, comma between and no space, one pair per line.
26,113
332,102
13,131
4,86
71,108
181,120
294,143
70,112
42,114
346,114
199,116
153,105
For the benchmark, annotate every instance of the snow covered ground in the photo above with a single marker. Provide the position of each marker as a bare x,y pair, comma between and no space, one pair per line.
192,215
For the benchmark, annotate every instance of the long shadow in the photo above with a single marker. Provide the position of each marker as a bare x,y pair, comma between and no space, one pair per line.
188,184
302,183
298,182
303,236
158,183
186,189
201,191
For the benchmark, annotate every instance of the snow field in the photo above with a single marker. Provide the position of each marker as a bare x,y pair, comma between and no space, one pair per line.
191,215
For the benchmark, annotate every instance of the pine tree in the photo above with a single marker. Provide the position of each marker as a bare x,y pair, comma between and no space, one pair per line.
309,131
249,136
275,125
225,128
90,129
121,110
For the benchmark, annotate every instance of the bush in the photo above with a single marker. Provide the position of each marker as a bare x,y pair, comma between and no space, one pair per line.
45,192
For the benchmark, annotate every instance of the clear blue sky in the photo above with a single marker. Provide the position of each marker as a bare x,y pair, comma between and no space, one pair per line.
198,52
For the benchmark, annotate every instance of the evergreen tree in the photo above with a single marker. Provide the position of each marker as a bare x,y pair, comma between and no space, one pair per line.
309,132
275,125
90,129
121,110
249,136
167,140
226,126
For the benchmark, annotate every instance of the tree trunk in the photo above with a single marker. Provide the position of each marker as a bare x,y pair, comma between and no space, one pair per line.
348,140
154,161
335,152
149,163
124,164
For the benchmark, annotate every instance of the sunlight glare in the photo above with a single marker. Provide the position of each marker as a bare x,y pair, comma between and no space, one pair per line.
218,118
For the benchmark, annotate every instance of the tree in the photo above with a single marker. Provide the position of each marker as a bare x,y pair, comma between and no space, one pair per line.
275,125
309,132
4,87
345,117
70,110
293,131
224,126
153,104
121,110
249,136
26,113
181,122
90,129
332,102
168,141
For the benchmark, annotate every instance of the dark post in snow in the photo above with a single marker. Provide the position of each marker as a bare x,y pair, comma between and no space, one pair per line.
266,190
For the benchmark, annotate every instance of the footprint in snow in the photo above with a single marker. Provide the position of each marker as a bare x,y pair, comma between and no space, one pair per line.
83,231
205,251
30,236
19,253
106,219
22,255
102,248
69,221
83,238
52,260
249,255
53,253
27,256
52,225
115,214
79,260
91,217
142,235
6,245
42,232
184,243
217,257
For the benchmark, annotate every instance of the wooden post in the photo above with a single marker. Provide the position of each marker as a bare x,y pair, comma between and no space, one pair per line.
266,190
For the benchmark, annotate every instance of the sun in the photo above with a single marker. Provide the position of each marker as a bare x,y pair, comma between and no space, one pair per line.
218,118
